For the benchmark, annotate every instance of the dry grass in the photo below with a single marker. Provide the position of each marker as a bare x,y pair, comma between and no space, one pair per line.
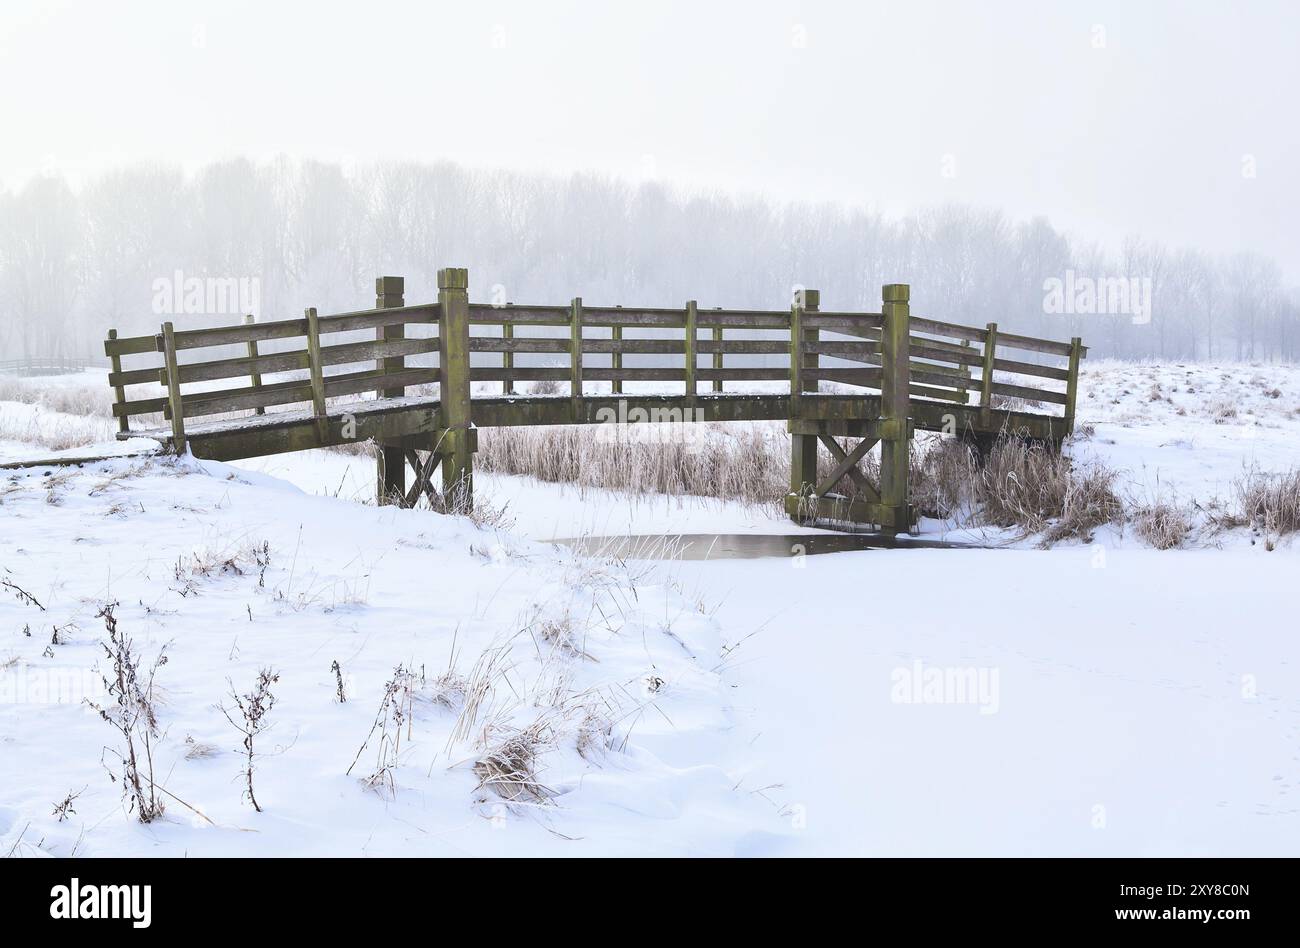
83,398
749,464
1162,524
508,767
1041,491
53,431
943,479
1270,503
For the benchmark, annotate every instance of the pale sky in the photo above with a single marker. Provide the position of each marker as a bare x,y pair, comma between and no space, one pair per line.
1108,118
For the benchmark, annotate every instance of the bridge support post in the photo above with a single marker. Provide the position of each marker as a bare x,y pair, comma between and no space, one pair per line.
1072,384
896,514
457,438
803,447
391,479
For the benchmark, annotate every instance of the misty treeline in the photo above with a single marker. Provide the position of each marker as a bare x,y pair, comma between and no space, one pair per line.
75,262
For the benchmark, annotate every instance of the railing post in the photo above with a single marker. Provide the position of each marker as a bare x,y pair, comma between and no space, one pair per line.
986,383
119,391
1072,383
691,359
616,360
717,357
254,374
174,400
895,410
575,355
391,479
313,364
507,357
803,447
454,389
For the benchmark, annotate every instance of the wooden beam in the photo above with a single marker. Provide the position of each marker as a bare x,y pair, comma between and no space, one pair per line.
254,376
847,463
616,360
990,362
455,407
575,349
895,409
119,391
174,389
692,361
390,473
1072,383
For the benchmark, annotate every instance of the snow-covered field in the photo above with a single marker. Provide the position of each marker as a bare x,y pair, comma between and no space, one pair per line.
1095,699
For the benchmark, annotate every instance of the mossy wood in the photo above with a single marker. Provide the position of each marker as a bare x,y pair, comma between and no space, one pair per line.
873,377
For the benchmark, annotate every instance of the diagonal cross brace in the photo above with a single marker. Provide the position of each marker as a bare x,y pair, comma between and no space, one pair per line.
847,463
423,476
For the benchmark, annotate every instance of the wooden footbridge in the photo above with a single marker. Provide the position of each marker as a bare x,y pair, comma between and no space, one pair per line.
891,372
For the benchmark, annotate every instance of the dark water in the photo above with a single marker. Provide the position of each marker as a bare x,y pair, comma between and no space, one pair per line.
746,546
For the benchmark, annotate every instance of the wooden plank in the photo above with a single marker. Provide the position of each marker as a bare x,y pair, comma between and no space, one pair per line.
1012,341
618,316
986,380
1072,383
510,314
618,345
895,409
390,471
119,378
867,378
1030,368
692,361
742,347
774,373
945,394
130,345
254,376
174,389
507,357
1029,394
288,328
846,350
669,374
140,406
314,364
297,359
511,344
454,374
717,342
616,357
491,373
576,316
743,319
957,355
953,330
837,322
119,389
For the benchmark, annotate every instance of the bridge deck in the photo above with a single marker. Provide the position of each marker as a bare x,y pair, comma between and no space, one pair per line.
395,419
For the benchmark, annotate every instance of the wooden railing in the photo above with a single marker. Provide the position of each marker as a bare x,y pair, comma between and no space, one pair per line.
900,356
947,361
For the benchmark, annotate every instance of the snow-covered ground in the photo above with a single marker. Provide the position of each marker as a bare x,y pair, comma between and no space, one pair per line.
1092,699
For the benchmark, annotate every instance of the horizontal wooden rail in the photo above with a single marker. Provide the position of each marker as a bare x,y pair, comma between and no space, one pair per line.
291,328
902,356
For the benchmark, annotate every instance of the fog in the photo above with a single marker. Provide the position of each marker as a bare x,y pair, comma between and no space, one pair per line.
720,152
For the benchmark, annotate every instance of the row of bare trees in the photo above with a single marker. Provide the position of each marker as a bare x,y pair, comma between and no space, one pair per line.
74,262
